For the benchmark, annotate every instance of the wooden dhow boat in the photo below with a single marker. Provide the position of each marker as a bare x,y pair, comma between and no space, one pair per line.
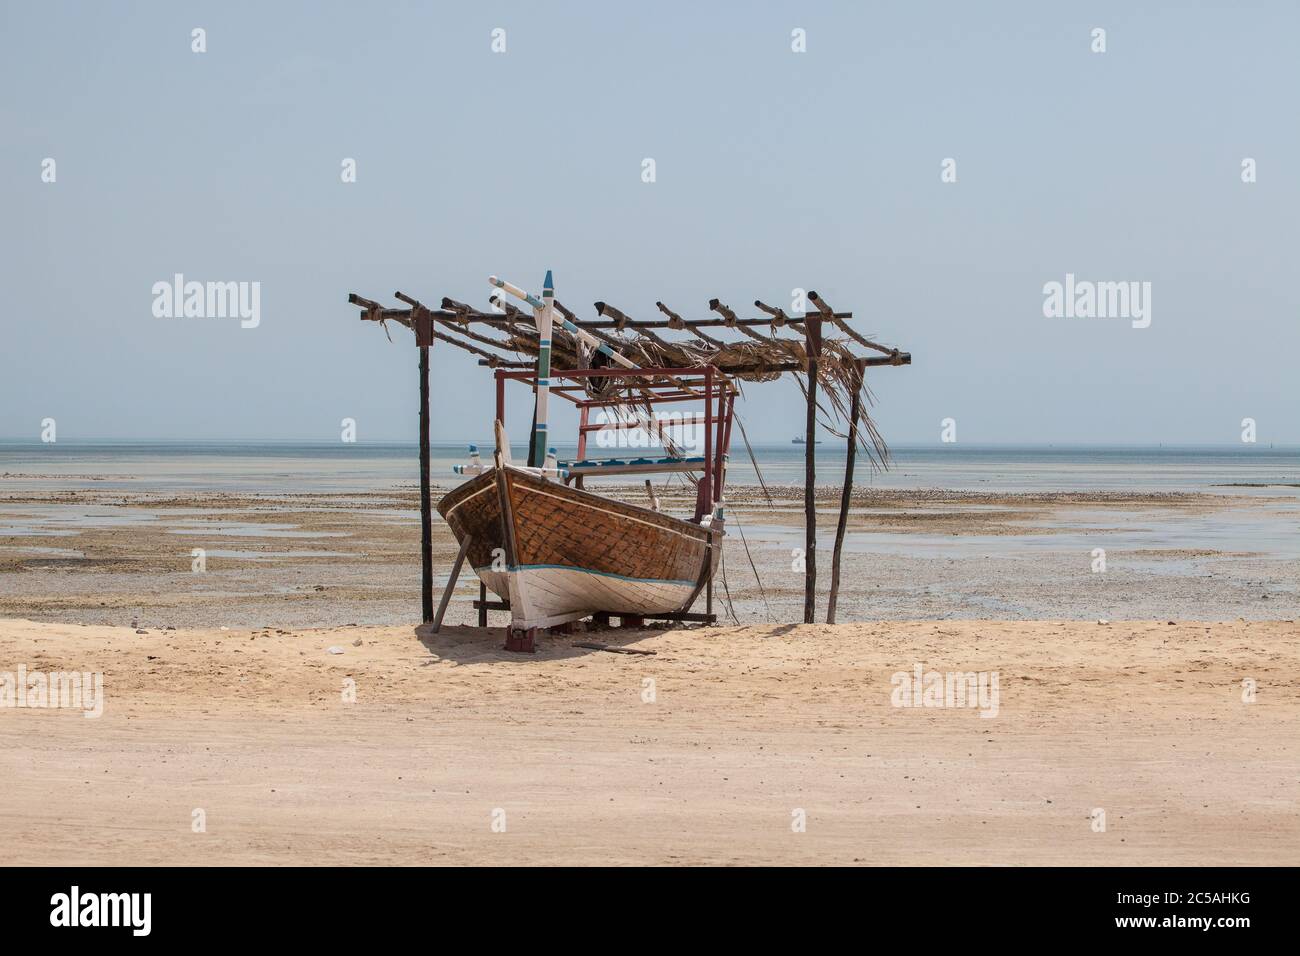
556,553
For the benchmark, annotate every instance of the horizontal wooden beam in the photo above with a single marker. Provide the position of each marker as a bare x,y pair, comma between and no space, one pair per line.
374,311
615,371
902,358
659,398
898,358
703,323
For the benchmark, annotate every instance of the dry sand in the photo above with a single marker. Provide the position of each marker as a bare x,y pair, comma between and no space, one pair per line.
1144,720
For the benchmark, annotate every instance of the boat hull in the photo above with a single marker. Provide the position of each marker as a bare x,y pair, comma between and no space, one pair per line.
557,553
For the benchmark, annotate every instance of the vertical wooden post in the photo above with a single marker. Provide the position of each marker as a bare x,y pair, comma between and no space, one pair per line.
846,494
813,342
424,339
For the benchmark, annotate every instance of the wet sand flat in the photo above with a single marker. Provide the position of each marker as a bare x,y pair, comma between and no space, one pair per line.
323,559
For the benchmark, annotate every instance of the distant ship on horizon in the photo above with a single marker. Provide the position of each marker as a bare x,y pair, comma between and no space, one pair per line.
800,441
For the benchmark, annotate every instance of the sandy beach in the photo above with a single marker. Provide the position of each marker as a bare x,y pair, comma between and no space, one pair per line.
223,701
748,726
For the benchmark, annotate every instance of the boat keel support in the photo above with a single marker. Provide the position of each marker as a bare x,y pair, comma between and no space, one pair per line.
522,639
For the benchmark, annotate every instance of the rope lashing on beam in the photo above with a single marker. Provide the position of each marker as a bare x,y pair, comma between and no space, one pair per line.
675,321
829,315
779,318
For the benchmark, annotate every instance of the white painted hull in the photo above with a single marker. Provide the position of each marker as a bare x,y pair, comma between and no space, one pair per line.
547,596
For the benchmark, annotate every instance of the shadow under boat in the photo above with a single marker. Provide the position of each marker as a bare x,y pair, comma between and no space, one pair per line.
468,644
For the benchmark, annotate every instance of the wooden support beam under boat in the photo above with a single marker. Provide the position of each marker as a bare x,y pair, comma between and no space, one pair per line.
451,583
706,618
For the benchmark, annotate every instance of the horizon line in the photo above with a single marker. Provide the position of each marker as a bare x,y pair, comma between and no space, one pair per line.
830,442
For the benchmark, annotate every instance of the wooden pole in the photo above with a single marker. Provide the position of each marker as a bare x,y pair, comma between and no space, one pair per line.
813,330
424,339
846,494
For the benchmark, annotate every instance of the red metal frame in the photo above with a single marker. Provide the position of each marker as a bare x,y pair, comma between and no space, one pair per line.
583,428
717,426
724,444
704,492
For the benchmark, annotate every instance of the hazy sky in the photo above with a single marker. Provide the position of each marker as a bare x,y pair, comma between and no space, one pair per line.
774,169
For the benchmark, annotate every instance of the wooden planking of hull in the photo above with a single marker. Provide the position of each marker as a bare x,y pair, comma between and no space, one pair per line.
558,553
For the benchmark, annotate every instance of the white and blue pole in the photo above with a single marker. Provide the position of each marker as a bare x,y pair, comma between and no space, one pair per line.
545,316
545,319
